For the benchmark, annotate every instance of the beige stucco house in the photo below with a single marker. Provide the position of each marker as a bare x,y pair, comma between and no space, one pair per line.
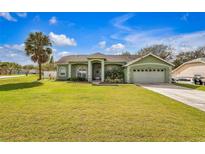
190,68
146,69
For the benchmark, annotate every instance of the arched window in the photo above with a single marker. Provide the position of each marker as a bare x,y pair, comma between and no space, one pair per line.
62,71
81,72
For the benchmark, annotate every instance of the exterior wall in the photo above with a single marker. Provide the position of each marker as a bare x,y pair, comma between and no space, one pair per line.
189,70
112,66
125,75
151,59
59,76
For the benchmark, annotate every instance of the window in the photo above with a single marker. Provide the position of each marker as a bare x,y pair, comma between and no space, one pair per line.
162,70
146,70
81,73
134,70
62,71
138,70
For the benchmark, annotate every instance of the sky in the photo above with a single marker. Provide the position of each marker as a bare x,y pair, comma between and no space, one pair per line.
108,33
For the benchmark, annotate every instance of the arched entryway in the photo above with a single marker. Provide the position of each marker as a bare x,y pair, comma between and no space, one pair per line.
96,70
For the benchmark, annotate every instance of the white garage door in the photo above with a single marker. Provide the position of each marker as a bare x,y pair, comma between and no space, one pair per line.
148,75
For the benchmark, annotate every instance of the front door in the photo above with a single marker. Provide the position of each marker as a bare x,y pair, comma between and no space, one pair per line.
96,71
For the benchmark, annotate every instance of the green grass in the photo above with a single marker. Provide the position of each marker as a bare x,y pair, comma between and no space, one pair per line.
62,111
192,86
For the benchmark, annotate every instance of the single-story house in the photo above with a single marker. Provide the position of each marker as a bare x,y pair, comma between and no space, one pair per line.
190,69
146,69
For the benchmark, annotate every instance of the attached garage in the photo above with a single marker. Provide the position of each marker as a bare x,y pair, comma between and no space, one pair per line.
148,69
150,75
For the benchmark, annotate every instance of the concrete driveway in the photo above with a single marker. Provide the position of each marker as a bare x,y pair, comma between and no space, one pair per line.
194,98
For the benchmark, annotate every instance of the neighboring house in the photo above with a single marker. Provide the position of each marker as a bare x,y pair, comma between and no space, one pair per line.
147,69
189,69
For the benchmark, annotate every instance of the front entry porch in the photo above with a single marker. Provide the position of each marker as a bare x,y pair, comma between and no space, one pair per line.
96,70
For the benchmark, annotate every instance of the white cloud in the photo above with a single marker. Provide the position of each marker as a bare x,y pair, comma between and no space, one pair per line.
116,48
22,14
14,53
62,40
119,22
185,17
180,42
7,16
19,47
102,44
53,20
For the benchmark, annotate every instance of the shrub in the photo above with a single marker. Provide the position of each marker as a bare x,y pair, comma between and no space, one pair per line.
77,79
114,76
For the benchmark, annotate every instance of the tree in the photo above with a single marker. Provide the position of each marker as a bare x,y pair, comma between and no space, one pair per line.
27,68
183,57
3,67
18,68
9,68
38,47
163,51
126,53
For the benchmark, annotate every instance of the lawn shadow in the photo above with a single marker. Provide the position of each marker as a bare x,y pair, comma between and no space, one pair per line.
23,85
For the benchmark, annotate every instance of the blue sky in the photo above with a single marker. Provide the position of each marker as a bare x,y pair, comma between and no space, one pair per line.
109,33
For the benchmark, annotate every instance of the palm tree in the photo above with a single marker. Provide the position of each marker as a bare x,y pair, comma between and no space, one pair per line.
38,47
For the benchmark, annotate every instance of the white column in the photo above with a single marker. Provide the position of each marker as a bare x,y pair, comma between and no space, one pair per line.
89,71
169,73
128,74
69,70
57,74
102,71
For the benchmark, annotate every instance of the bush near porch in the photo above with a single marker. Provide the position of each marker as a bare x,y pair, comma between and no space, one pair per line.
114,76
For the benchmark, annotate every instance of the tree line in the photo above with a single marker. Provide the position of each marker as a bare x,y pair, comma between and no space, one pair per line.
8,68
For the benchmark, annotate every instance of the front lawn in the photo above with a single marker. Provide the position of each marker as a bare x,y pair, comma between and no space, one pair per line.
63,111
192,86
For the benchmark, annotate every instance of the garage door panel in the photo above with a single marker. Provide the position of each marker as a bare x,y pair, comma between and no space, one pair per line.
148,76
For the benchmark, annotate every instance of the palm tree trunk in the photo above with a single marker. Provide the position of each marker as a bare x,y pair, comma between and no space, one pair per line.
39,71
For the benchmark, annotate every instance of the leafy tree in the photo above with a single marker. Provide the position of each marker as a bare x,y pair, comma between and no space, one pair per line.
126,53
3,67
183,57
38,47
27,68
50,66
9,68
163,51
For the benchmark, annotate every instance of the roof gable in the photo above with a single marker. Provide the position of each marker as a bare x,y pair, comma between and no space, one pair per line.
97,55
146,58
198,60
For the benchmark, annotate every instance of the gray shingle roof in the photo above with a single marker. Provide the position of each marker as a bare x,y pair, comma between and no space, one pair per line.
109,58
